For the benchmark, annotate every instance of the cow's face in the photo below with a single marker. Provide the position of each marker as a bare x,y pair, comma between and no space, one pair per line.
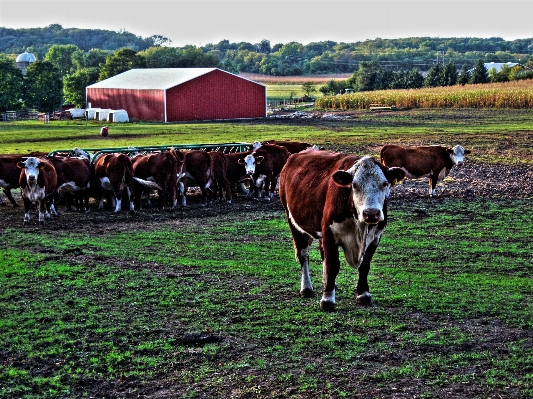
250,161
457,154
370,183
31,168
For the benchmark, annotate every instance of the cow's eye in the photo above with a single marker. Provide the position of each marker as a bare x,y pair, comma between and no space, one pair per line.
385,184
356,186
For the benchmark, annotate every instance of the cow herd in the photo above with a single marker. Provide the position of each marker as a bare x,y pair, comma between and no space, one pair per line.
338,199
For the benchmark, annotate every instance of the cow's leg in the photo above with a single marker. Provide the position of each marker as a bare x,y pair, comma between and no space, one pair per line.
432,184
182,190
27,208
363,291
302,242
42,210
130,198
330,270
9,196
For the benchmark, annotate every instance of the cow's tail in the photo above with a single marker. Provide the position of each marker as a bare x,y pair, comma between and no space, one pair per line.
148,184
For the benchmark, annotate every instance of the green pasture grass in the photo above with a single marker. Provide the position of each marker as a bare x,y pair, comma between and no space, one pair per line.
123,308
285,91
501,136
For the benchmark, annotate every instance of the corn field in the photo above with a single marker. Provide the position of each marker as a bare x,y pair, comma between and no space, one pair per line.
515,94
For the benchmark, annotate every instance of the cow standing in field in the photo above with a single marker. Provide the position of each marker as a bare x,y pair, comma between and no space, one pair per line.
235,171
222,187
340,200
37,181
263,166
114,173
199,173
292,146
74,176
161,168
10,175
433,162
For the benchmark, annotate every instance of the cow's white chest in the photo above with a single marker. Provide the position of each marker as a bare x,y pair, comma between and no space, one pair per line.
34,193
354,238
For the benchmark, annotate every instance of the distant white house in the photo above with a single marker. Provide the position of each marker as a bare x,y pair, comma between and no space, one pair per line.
497,66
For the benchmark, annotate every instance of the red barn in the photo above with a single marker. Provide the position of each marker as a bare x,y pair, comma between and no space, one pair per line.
180,94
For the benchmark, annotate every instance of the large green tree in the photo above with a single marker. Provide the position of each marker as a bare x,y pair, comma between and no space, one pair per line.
435,76
62,57
74,85
43,87
450,74
480,73
11,85
122,60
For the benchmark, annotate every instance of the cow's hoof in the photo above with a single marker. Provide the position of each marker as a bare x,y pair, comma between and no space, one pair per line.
307,293
327,306
365,299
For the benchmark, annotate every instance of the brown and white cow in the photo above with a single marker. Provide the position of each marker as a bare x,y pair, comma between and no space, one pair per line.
433,162
161,168
236,172
37,181
114,173
74,176
199,173
340,200
292,146
10,175
222,186
264,165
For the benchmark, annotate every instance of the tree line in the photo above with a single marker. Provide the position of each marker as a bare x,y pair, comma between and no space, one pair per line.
84,56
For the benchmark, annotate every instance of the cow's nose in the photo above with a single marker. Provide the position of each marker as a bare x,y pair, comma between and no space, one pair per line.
371,215
460,163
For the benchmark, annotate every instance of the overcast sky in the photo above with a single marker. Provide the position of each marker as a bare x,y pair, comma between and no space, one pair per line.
200,22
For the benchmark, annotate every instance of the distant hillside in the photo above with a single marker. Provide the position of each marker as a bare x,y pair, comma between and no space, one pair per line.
288,59
39,40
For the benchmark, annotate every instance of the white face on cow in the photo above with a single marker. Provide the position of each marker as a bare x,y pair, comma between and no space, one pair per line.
31,169
457,155
370,188
250,161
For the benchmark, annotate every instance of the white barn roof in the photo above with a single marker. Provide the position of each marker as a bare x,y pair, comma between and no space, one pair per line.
152,78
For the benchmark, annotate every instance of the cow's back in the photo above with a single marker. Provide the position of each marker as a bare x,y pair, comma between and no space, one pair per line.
304,184
418,161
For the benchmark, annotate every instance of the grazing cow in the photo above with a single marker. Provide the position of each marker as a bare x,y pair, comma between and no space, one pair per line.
9,176
74,176
433,162
340,200
236,172
162,168
222,186
114,173
199,172
37,181
264,165
293,146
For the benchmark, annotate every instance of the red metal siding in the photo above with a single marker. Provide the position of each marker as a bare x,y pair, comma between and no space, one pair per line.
216,95
140,104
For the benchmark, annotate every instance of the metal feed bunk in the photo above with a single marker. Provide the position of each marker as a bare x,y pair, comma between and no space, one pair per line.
225,148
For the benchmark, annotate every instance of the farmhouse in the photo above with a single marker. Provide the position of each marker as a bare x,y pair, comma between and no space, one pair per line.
180,94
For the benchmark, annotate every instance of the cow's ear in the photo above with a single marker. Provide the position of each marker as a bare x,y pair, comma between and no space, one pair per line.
343,178
395,175
40,165
449,150
21,164
467,151
259,159
240,161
